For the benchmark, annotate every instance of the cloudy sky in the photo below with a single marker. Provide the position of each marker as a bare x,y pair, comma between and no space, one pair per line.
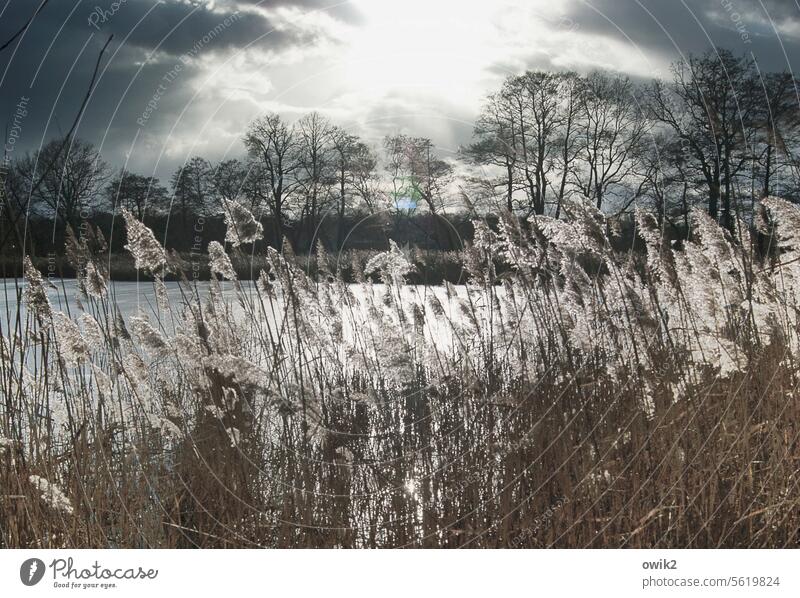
184,77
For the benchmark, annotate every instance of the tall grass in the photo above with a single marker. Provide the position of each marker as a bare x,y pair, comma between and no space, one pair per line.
584,397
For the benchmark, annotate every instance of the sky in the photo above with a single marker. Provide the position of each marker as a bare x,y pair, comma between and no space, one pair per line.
185,77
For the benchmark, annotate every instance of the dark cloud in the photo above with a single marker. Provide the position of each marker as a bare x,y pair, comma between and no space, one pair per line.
172,26
53,62
337,9
693,26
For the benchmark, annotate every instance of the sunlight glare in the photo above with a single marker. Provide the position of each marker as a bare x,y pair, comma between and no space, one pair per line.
405,45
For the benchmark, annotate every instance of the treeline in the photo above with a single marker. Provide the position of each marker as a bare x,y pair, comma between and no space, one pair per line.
367,231
719,133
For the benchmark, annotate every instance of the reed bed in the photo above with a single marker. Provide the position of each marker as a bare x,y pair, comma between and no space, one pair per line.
569,394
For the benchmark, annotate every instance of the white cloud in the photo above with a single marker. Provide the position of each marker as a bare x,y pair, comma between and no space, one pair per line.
421,67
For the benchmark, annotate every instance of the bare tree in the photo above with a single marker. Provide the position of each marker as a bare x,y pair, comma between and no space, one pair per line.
415,159
419,174
709,107
612,131
527,134
191,188
495,146
273,145
539,102
139,194
354,163
75,176
228,180
15,191
777,121
315,172
34,185
662,180
571,89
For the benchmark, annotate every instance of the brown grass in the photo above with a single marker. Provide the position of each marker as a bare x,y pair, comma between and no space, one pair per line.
516,435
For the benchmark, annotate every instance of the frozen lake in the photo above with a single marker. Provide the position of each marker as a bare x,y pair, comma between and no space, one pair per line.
130,297
134,297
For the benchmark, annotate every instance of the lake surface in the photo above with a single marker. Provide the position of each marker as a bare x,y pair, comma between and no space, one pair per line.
140,297
130,297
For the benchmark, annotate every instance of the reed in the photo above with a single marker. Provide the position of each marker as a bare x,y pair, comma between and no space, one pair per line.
568,394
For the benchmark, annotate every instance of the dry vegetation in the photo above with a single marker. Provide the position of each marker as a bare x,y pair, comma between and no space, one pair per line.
586,397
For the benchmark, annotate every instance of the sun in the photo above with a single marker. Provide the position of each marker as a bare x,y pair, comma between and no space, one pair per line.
417,44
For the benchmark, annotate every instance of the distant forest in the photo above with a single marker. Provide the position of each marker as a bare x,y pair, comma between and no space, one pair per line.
718,133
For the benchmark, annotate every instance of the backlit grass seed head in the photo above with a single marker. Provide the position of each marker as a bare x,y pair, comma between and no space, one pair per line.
230,398
103,382
239,369
7,444
392,265
717,248
242,227
483,238
35,295
136,370
169,429
150,338
148,254
51,494
648,230
787,217
71,344
120,329
162,297
436,306
76,250
219,262
264,284
216,412
782,220
188,345
91,331
94,281
476,264
418,312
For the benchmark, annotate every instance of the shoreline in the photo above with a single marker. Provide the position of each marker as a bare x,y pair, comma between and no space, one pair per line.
432,267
